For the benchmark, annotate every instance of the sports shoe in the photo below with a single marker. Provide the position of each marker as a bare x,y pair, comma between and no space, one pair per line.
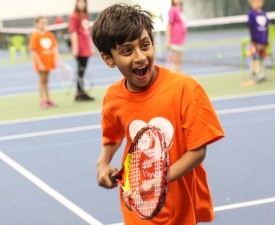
52,104
83,97
44,104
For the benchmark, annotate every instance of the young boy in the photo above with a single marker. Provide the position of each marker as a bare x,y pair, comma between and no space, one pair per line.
258,26
43,46
150,94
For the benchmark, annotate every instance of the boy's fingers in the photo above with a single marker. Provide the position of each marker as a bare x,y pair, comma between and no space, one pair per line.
126,196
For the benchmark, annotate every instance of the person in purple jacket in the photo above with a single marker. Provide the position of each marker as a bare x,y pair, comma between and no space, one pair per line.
258,26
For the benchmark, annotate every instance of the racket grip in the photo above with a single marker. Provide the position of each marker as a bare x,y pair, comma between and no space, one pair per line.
113,178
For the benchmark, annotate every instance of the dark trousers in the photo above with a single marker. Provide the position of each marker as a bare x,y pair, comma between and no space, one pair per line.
81,67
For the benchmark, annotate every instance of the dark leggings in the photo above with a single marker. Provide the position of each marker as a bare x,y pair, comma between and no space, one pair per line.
81,67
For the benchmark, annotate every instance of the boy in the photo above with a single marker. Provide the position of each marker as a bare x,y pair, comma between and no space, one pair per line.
150,94
43,46
258,26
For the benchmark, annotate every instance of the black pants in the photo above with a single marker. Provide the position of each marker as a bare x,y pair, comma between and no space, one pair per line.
81,67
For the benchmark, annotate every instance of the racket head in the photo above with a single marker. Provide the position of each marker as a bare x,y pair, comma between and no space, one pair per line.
66,76
145,172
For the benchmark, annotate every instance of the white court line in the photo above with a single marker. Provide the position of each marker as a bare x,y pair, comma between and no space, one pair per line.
8,122
236,206
49,190
95,112
245,109
49,132
98,126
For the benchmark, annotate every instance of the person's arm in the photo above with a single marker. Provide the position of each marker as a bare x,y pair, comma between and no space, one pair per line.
37,60
168,36
187,162
74,43
104,169
57,57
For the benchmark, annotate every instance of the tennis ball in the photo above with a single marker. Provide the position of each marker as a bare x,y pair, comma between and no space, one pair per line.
219,55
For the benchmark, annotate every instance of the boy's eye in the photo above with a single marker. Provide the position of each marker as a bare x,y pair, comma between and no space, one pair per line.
145,45
126,51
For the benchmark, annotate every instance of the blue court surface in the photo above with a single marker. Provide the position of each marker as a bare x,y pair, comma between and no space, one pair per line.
48,165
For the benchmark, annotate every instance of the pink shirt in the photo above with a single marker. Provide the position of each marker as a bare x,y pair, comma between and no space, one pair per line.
178,26
81,27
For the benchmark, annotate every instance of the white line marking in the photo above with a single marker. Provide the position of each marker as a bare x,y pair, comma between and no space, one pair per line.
249,95
50,191
245,204
94,112
245,109
235,206
49,132
98,126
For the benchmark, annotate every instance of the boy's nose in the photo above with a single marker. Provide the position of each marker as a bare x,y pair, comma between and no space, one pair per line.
139,56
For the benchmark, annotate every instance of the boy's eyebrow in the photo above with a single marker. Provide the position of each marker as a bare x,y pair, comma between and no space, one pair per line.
128,44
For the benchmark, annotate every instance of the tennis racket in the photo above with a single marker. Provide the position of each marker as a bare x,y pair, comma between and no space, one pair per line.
66,77
145,172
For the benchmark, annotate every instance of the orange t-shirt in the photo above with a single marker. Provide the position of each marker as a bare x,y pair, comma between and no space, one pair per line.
44,45
180,107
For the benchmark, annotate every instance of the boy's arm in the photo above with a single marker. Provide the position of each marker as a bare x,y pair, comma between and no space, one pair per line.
74,41
187,162
104,169
37,60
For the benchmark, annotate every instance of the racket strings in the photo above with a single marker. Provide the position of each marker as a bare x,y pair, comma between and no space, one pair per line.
146,172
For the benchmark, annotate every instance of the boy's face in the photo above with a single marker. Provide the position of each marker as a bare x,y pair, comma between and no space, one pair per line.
257,4
135,60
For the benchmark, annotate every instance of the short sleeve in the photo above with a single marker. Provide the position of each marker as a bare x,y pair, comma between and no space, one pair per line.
73,23
172,15
200,122
250,19
112,130
33,45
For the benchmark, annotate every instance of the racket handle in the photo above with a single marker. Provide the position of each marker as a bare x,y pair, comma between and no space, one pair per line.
113,178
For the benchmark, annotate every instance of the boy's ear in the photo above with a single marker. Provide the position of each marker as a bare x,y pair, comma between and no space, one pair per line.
108,60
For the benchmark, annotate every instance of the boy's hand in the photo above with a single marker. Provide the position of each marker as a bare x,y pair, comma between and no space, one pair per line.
126,196
103,176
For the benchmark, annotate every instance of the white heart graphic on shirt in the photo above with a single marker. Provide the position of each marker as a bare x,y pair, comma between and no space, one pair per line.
261,20
159,122
85,24
46,43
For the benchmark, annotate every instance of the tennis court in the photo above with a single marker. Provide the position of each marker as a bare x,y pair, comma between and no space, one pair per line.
48,158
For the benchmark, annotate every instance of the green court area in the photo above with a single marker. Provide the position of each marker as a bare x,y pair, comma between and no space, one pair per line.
26,106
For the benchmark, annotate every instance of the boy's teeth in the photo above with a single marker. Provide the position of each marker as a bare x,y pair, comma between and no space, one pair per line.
140,71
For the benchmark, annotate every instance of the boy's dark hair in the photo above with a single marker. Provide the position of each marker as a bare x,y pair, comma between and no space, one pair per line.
120,23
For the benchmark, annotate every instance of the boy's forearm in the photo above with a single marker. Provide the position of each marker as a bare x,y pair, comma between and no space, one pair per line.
187,162
107,153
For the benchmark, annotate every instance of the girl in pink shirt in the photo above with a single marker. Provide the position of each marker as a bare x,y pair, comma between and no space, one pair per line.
175,35
81,44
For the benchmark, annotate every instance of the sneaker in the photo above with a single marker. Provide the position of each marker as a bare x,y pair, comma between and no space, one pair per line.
52,104
44,104
83,97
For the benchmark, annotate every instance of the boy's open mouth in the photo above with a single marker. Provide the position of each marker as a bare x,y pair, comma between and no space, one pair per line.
141,71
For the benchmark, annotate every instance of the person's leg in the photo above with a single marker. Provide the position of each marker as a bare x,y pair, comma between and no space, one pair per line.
44,88
177,60
81,67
